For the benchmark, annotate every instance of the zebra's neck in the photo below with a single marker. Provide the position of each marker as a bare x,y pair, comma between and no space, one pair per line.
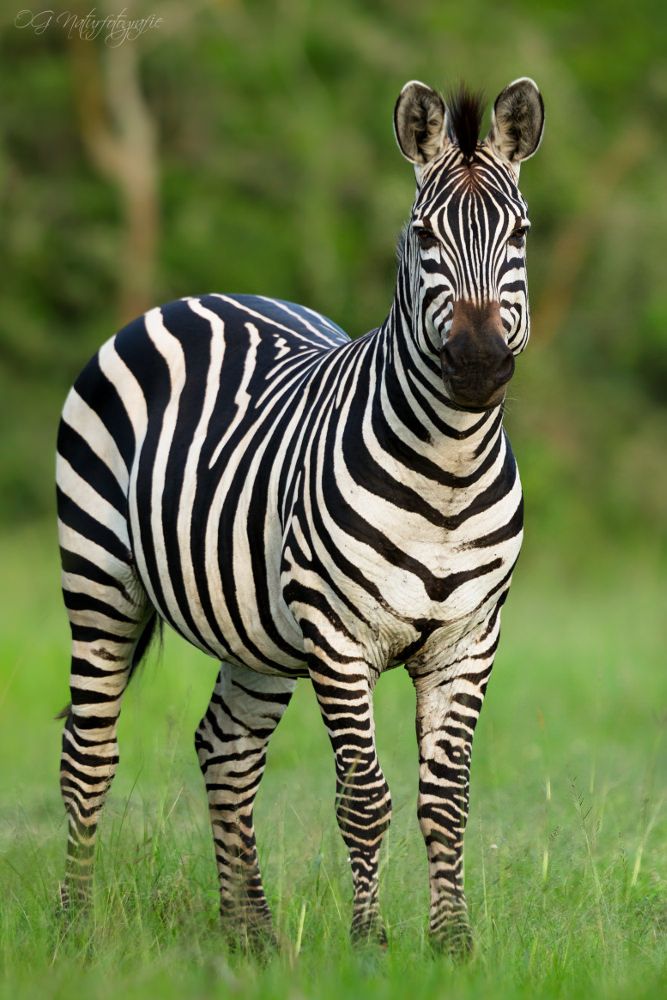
410,403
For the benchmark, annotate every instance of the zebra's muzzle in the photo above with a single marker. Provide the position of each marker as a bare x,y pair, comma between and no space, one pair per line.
476,362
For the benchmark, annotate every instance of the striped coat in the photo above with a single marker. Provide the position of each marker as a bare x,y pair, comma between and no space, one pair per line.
297,504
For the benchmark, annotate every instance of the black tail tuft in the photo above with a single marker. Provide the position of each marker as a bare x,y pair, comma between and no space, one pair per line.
145,639
140,651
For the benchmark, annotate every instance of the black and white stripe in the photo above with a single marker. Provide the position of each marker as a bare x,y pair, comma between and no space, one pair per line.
298,504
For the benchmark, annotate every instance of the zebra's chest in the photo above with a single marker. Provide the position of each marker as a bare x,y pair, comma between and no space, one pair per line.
437,574
391,580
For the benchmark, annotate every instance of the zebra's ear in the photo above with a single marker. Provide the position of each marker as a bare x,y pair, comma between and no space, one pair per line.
517,122
419,122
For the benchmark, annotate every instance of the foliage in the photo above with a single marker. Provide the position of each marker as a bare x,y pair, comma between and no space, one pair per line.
278,173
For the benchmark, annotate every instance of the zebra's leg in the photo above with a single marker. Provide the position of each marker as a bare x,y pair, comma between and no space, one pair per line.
111,624
449,700
231,743
363,801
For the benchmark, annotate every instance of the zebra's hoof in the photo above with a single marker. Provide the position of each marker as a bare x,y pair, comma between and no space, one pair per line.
73,901
65,904
373,934
257,940
71,907
455,940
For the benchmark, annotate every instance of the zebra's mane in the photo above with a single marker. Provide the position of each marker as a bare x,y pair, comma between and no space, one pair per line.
402,239
464,114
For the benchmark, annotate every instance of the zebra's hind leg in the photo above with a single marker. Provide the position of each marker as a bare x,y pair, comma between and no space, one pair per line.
111,624
231,743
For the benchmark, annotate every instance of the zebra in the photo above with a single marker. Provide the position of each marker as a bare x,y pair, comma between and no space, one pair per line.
298,504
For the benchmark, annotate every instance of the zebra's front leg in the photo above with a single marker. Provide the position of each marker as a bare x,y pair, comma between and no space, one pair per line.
231,743
449,700
363,802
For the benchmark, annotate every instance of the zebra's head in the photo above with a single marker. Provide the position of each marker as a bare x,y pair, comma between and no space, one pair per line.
466,236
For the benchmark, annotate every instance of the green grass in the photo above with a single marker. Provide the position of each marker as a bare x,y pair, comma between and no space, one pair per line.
566,860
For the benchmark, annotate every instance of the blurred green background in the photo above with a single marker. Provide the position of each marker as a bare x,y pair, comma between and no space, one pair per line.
248,147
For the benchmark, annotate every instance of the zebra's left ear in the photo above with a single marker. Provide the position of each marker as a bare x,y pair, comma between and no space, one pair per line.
517,122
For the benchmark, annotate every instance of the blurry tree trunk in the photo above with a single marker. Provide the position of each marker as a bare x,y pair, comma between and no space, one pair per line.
119,136
575,239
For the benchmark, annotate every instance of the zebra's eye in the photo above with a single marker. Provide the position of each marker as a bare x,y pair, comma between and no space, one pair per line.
518,237
427,238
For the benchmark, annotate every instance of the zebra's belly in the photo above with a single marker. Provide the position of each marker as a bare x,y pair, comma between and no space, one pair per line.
247,625
214,576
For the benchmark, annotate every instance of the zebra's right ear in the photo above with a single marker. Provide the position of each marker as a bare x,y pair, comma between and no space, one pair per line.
420,122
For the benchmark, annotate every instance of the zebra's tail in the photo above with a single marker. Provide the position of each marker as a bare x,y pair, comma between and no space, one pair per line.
154,626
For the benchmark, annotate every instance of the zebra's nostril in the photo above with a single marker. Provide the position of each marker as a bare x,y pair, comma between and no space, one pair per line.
505,369
448,360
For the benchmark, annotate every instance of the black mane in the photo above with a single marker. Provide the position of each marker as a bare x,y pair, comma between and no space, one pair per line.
464,108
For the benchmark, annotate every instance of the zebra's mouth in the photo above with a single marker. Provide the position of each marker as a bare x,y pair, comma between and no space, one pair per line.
472,386
468,398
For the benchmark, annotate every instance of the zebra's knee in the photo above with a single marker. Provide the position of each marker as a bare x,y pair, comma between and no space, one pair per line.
87,769
363,803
